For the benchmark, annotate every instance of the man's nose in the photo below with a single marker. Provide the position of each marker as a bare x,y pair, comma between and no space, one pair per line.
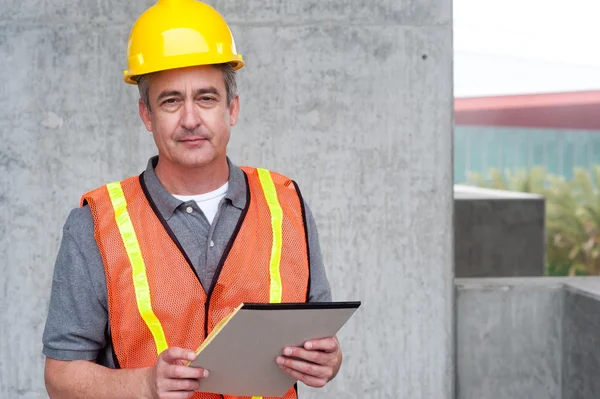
191,116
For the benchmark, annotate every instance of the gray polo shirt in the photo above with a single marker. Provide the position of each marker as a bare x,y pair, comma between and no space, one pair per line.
77,324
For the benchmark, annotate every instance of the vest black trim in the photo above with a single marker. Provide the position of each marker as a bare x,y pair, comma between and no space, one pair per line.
226,254
304,222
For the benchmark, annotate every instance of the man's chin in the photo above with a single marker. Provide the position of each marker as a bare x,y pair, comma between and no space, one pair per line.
197,161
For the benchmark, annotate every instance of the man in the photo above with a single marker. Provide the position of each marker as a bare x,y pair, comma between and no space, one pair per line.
148,266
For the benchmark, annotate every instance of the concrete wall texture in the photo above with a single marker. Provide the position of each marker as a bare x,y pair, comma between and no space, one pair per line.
509,338
352,98
528,338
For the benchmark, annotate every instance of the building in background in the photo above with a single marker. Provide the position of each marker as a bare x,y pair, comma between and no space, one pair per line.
527,86
558,131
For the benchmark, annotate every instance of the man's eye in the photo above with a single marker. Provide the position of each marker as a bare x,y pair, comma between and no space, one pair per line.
170,101
207,99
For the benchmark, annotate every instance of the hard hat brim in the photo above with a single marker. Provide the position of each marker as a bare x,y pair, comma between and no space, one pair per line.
131,77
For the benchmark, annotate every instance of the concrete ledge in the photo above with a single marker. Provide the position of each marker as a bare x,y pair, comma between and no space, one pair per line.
528,338
463,192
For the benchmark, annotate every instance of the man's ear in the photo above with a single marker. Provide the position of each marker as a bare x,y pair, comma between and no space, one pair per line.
234,110
145,115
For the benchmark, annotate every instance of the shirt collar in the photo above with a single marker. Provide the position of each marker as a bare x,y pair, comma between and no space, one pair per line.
167,203
237,186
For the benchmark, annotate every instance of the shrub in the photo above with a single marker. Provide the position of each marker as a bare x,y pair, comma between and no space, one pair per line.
572,214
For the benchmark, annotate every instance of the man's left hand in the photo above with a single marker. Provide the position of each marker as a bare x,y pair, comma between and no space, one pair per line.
315,365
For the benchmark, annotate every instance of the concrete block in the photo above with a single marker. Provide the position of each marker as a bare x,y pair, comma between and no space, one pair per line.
498,233
509,339
581,348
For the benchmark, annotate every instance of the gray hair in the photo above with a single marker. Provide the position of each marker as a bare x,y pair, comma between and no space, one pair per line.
228,75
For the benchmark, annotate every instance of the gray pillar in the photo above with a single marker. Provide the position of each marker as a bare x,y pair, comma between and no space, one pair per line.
352,98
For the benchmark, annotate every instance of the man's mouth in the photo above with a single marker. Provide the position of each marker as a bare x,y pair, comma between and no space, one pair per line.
193,139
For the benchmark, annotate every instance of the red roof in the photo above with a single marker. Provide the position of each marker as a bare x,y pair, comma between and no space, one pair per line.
575,110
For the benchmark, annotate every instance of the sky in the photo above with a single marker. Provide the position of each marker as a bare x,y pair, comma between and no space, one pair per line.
526,46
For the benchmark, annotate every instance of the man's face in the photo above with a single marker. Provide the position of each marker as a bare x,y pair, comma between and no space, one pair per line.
189,117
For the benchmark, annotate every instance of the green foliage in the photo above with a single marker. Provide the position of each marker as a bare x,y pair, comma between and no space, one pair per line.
572,214
531,181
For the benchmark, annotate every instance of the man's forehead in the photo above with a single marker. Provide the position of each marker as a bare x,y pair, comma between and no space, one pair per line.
190,78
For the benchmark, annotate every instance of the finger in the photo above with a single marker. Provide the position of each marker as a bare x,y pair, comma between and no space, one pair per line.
309,369
179,385
306,379
329,345
183,372
175,354
318,357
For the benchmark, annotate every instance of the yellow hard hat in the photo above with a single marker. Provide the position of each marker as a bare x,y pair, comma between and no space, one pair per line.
176,34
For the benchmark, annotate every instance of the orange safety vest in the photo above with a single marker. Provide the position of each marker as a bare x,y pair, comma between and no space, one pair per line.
155,299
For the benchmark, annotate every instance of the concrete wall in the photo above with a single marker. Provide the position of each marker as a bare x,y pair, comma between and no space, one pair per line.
528,338
353,98
581,331
509,337
498,233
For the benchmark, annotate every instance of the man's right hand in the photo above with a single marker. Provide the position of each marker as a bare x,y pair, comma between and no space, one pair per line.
171,379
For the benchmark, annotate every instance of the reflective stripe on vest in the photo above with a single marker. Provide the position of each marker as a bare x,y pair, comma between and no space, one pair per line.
138,267
266,182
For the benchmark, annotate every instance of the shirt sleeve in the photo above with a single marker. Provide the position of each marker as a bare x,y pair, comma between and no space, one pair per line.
77,318
320,290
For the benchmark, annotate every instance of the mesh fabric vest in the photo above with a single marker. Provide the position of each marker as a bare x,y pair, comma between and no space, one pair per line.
155,299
